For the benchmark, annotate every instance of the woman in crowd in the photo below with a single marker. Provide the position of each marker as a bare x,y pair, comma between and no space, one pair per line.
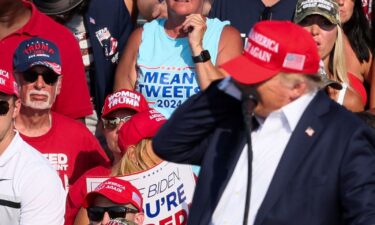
323,22
358,45
168,60
135,147
118,109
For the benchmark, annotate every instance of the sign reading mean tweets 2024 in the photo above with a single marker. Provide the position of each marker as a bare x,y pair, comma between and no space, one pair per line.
167,192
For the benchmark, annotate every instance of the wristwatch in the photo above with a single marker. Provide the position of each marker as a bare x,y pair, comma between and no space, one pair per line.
202,57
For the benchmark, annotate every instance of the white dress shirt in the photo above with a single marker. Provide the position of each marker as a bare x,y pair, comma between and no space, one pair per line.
269,142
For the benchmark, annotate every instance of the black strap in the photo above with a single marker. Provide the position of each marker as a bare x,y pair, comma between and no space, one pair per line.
249,103
16,205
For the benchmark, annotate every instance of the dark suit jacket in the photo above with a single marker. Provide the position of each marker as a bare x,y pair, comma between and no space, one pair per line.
324,179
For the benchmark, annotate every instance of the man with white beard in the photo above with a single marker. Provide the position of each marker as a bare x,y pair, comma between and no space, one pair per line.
66,143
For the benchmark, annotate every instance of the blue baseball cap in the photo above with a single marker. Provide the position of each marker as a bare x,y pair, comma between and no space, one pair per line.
37,52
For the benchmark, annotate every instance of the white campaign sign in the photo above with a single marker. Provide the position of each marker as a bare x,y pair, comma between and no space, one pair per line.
167,192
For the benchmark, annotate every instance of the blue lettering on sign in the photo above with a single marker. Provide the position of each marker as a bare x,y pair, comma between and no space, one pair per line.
176,80
151,78
164,78
167,78
186,78
172,200
167,91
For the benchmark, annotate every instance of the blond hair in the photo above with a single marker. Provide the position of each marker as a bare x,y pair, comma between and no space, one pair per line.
339,72
136,159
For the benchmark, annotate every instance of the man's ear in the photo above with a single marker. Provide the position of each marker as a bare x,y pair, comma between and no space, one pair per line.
58,85
139,218
298,89
17,107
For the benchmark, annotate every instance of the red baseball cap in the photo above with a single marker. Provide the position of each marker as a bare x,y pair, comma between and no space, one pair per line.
273,47
7,83
118,191
142,125
124,99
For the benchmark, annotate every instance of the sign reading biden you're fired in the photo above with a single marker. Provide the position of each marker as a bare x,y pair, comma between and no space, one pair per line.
167,192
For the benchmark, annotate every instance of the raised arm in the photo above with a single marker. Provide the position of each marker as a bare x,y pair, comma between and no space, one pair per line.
188,133
126,74
230,46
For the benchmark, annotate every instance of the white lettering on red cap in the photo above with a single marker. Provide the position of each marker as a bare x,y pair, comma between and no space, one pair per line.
4,73
258,53
2,81
264,41
124,97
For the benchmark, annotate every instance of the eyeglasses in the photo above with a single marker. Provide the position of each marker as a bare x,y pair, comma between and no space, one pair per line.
322,22
112,123
266,14
49,76
96,214
4,107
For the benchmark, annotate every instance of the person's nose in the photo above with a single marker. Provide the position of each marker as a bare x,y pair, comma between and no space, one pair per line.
106,218
340,2
314,29
39,83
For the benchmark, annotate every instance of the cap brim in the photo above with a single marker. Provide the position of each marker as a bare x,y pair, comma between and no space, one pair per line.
246,71
333,84
300,18
23,67
90,198
55,8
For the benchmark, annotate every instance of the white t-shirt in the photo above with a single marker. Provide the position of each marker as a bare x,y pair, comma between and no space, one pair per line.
31,193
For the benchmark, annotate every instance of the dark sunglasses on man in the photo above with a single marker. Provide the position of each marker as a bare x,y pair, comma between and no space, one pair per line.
4,107
49,76
96,213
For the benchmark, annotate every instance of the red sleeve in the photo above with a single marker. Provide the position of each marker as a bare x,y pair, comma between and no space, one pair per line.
74,200
74,98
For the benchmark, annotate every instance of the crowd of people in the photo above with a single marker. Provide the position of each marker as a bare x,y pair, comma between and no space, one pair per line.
211,112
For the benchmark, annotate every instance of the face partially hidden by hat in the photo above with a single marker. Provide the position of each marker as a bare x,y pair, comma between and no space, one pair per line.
273,47
8,85
142,125
37,52
326,8
118,191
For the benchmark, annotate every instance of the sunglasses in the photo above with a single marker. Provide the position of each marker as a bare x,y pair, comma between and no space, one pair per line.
323,23
4,107
112,123
49,77
96,214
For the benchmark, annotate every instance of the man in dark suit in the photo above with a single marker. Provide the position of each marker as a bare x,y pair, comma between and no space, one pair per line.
313,162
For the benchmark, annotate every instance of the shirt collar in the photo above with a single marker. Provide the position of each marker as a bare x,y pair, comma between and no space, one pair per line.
294,110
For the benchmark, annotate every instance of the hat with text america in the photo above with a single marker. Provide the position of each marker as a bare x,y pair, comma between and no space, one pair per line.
142,125
7,83
124,99
37,52
273,47
326,8
118,191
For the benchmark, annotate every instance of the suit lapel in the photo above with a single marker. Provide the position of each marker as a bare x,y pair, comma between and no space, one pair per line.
305,134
